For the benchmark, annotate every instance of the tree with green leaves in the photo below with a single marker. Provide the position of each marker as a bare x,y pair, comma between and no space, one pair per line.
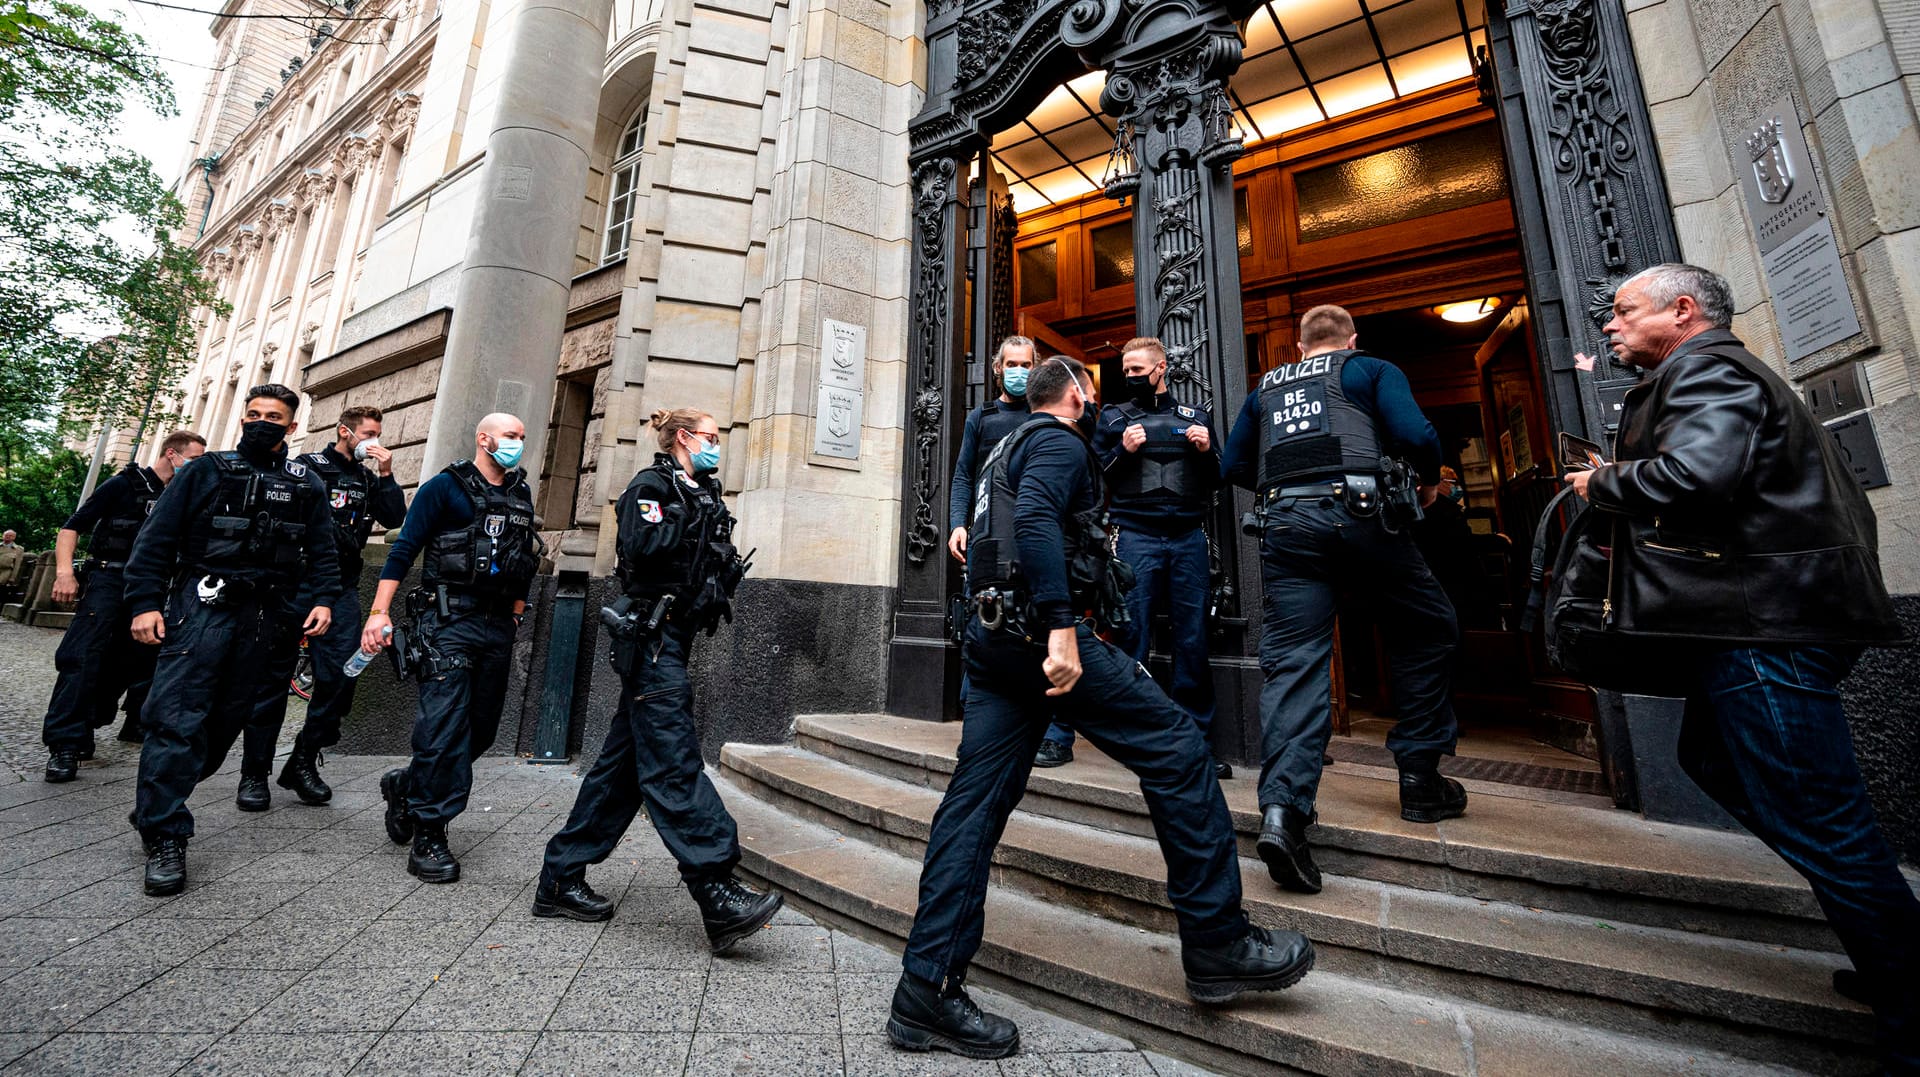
67,196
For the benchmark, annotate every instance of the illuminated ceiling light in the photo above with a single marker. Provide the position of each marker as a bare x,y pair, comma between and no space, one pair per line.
1470,310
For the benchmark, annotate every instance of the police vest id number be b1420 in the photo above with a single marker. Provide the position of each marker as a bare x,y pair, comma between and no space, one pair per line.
1299,411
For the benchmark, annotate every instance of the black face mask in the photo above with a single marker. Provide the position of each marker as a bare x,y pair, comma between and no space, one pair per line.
260,437
1089,418
1140,388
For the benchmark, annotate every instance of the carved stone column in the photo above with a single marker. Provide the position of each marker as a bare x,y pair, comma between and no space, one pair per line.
923,667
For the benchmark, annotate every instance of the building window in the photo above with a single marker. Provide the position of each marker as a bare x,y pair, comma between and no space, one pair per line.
621,189
1039,273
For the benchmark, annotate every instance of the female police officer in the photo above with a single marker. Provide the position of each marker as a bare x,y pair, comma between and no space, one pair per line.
677,569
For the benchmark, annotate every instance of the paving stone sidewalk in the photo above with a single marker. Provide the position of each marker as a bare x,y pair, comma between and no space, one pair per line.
303,947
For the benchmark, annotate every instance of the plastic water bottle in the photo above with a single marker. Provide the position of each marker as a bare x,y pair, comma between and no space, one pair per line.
357,664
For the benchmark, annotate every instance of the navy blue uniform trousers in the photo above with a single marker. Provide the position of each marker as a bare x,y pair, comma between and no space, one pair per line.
460,704
332,690
96,661
1126,715
1309,551
651,757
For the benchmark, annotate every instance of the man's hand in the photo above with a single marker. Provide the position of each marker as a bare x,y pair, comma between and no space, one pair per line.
319,619
957,544
1429,494
1062,665
1198,435
1578,480
373,638
1133,437
382,458
150,627
66,588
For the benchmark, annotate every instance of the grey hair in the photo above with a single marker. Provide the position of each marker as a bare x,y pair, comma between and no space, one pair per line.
1667,282
999,356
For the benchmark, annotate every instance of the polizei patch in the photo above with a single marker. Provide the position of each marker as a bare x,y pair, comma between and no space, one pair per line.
1302,411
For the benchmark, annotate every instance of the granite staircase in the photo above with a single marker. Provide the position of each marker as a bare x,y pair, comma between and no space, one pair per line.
1528,937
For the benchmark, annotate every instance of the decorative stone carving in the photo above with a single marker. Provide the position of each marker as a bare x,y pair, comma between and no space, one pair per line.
293,68
233,372
353,152
315,185
308,334
984,35
218,261
265,99
246,239
400,112
935,189
275,218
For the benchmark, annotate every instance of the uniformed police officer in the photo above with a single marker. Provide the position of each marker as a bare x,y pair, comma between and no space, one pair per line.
1162,466
677,570
97,658
361,491
1039,558
475,524
236,560
1319,443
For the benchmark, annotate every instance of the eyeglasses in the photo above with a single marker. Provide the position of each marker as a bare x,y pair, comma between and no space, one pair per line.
706,440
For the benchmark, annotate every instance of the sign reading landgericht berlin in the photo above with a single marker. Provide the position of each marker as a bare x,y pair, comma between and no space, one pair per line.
843,385
1797,248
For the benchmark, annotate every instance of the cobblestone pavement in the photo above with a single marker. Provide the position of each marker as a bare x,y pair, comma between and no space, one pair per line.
303,947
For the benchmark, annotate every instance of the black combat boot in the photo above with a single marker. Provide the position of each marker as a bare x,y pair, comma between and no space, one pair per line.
1052,753
1426,797
86,750
1222,769
63,765
925,1018
732,910
573,899
431,860
393,789
166,866
253,794
301,773
130,731
1283,845
1260,960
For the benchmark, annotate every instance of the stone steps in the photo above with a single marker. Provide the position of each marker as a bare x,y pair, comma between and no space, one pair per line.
1600,863
1694,991
1333,1022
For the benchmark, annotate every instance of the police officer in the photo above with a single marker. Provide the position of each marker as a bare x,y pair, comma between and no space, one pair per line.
475,524
677,569
235,562
97,658
1317,442
1162,466
361,491
1039,557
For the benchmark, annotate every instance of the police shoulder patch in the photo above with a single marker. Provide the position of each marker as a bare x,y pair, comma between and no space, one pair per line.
1185,411
339,500
650,511
297,469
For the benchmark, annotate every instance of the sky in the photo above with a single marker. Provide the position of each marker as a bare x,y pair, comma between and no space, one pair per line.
185,46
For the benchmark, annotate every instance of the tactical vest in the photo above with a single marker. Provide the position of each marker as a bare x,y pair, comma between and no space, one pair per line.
1165,468
498,552
1309,428
993,558
688,564
257,525
348,489
113,536
997,419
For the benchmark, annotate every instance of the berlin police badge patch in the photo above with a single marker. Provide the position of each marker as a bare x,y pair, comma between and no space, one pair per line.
495,525
339,499
650,511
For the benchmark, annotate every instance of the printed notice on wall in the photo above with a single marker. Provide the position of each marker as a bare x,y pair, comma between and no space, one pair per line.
1797,249
843,383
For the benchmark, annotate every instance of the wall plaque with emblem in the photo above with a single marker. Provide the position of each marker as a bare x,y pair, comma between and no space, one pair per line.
843,381
1811,302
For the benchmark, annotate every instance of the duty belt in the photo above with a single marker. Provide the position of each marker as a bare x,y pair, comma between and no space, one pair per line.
1298,493
91,565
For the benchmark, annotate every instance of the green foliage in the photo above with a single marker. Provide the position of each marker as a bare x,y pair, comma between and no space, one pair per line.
38,490
67,195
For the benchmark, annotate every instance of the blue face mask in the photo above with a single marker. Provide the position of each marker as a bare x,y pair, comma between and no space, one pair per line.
506,451
707,460
1014,380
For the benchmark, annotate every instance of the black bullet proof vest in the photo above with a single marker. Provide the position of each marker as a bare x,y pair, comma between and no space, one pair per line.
998,419
348,489
498,553
113,536
1165,468
1309,429
994,554
257,527
686,567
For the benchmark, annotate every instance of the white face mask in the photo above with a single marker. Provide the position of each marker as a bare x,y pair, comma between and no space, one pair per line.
360,450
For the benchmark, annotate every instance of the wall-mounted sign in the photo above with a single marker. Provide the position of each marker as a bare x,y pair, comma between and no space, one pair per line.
842,398
1861,449
1797,248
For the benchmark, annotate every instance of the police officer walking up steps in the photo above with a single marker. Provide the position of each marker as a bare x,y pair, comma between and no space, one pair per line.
361,491
1320,442
1040,560
97,658
677,569
475,524
236,560
1162,466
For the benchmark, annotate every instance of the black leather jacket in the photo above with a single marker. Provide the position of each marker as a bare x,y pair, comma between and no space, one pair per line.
1739,521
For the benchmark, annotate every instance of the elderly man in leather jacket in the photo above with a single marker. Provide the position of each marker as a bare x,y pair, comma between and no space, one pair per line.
1744,531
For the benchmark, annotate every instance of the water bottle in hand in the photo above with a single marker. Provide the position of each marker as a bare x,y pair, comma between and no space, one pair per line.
362,659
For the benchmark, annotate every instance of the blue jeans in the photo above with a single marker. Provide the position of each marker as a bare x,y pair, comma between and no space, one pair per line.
1170,572
1122,711
1309,551
1765,738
